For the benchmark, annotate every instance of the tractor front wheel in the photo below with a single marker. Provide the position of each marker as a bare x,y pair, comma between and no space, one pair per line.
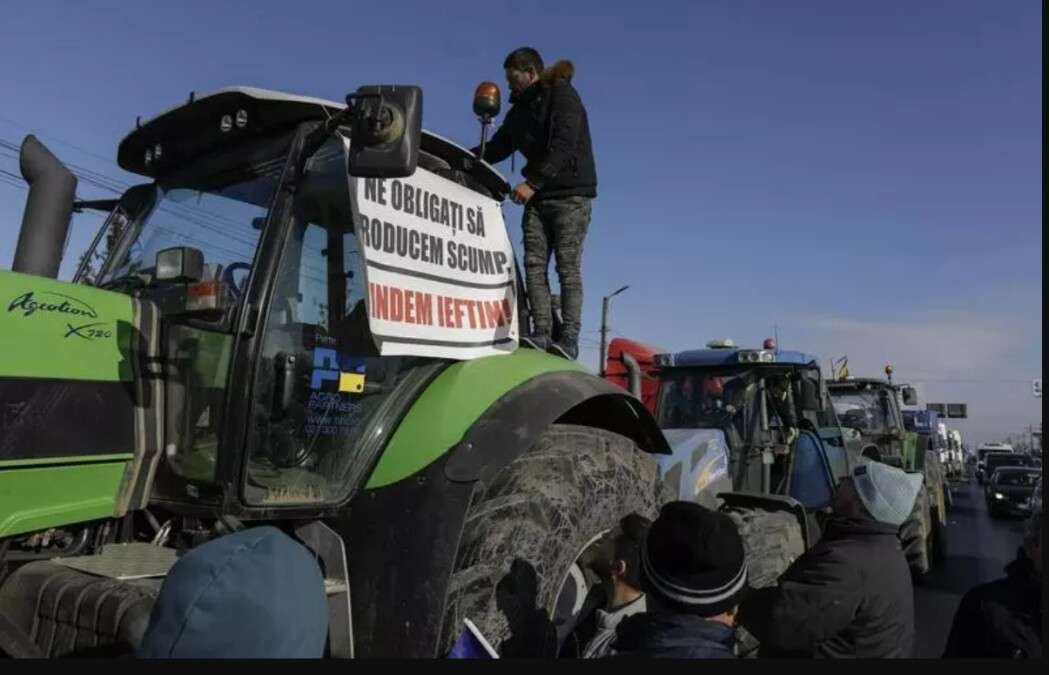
526,529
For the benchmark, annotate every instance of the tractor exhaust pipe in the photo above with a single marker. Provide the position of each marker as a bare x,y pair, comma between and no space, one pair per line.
49,206
633,369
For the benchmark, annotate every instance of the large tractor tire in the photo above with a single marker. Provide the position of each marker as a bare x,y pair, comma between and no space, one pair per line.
525,531
915,536
939,539
772,540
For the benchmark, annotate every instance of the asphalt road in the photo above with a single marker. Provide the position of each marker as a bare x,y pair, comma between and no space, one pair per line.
977,549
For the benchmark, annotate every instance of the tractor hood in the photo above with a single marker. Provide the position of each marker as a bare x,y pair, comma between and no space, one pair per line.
79,419
697,468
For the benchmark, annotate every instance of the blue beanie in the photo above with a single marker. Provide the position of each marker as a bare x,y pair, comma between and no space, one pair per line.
256,593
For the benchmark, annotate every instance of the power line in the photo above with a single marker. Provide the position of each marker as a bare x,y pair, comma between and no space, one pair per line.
89,153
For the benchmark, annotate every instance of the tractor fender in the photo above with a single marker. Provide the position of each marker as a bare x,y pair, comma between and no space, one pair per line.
402,536
513,424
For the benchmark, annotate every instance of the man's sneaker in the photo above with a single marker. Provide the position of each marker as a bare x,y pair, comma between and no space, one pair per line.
538,342
564,349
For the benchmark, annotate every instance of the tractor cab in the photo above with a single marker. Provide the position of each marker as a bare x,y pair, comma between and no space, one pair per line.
872,408
756,405
246,242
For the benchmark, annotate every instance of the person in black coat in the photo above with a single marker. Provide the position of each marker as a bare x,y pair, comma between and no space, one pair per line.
851,595
548,124
1003,619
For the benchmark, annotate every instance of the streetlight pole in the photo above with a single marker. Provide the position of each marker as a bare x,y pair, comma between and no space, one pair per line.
604,329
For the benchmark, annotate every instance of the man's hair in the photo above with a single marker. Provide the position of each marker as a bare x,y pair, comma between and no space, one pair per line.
630,536
524,58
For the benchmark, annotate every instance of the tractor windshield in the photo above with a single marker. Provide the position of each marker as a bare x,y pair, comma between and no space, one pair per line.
707,398
865,410
217,209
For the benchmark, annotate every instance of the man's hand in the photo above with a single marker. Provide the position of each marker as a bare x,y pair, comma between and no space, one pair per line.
522,193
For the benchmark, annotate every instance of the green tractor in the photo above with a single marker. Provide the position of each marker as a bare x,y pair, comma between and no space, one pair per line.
222,369
872,407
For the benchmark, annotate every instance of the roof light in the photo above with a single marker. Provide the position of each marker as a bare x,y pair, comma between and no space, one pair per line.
756,356
156,152
726,343
769,344
226,123
149,155
888,370
663,360
242,119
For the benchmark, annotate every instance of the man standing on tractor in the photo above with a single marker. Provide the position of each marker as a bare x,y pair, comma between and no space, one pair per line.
548,125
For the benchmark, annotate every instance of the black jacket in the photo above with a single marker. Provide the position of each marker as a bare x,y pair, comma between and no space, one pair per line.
673,636
1002,619
548,125
851,595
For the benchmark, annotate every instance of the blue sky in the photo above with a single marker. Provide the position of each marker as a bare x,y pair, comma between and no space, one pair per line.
866,176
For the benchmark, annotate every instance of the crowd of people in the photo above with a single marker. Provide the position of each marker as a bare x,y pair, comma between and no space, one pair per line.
675,587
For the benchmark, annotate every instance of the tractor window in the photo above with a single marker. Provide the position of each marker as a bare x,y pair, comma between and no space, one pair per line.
220,214
697,399
321,390
863,410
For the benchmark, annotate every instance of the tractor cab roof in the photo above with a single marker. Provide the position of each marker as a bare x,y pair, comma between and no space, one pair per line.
858,383
225,117
732,356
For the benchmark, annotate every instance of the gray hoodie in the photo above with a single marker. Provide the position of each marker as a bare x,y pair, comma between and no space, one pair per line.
601,643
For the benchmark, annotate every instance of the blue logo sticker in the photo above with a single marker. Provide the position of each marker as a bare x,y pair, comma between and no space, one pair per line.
344,373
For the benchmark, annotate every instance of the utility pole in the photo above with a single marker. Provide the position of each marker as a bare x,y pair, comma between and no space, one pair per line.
604,329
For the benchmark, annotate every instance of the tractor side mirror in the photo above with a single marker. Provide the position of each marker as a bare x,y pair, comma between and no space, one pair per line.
387,131
180,263
910,395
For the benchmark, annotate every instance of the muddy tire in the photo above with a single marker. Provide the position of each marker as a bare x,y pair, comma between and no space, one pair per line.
772,540
939,540
525,530
915,537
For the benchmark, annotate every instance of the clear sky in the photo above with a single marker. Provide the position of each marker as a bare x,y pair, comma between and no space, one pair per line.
864,175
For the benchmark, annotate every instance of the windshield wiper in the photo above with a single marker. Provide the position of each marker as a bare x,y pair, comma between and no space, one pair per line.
132,281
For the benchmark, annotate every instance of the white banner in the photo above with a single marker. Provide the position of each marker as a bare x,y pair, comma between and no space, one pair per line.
439,268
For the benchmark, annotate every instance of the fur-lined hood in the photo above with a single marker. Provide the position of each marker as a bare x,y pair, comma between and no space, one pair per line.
562,70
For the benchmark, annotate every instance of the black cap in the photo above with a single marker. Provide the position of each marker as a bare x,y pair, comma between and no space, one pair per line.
693,560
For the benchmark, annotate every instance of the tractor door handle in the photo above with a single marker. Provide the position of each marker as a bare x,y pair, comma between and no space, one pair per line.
284,384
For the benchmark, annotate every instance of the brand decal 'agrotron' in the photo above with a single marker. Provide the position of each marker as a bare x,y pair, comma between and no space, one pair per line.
47,302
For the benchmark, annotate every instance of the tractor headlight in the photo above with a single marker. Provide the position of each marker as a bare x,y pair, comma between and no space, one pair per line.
663,360
755,356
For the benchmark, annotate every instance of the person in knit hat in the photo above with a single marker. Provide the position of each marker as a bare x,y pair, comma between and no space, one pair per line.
694,574
851,594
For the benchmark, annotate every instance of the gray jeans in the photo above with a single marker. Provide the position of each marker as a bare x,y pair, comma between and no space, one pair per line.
556,227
